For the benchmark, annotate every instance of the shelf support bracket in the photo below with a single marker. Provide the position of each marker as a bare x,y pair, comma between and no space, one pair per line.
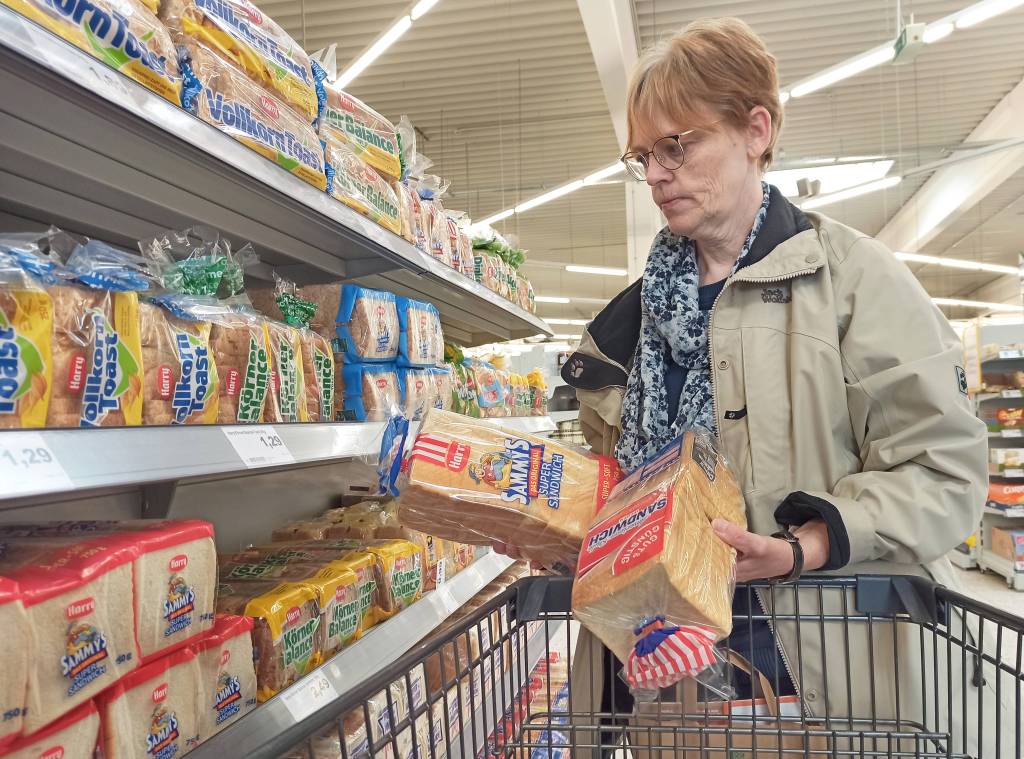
157,499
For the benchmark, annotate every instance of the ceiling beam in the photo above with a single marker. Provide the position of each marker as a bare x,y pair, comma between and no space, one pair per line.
954,190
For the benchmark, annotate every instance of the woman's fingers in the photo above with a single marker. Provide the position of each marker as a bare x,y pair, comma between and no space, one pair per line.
505,549
758,557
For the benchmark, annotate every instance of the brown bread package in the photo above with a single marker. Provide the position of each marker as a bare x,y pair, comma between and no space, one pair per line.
474,482
317,375
286,401
180,381
240,353
653,577
87,323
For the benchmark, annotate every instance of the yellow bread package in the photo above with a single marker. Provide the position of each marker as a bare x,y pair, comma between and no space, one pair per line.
124,34
26,334
654,582
221,94
370,136
401,583
239,32
473,482
356,184
337,588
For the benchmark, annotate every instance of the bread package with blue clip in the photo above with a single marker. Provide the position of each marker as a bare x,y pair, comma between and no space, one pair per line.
222,95
370,136
238,31
474,482
421,341
654,582
124,34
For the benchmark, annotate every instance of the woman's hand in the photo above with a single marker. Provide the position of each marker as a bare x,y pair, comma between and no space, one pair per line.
760,557
506,550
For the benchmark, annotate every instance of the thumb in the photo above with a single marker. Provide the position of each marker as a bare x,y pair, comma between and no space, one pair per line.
732,534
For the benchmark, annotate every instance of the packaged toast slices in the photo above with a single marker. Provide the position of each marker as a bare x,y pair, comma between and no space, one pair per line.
474,482
124,34
222,95
286,401
361,323
654,582
237,31
370,136
366,392
227,677
18,639
420,341
356,184
73,736
239,347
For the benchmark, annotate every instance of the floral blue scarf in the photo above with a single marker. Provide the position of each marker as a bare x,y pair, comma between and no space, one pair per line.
671,324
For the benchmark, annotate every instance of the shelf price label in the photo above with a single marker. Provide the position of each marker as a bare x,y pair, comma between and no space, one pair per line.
1011,393
28,465
258,445
1010,433
309,695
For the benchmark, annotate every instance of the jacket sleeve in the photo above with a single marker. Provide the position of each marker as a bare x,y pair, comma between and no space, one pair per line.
923,451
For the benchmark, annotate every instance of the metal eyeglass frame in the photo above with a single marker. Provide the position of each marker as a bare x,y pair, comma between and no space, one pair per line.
642,156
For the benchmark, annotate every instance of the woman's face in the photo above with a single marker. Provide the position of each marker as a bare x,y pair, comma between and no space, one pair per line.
699,197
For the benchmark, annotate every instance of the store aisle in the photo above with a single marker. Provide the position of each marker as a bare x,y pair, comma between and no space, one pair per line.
991,588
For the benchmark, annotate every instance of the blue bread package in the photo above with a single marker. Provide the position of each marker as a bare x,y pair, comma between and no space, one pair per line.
366,326
419,390
420,342
366,392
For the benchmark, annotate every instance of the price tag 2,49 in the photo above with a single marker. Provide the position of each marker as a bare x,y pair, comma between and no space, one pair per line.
258,445
308,696
28,465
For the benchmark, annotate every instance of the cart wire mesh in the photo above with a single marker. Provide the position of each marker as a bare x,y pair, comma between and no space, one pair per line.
872,666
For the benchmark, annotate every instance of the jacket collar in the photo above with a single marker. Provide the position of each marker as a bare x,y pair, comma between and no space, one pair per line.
609,341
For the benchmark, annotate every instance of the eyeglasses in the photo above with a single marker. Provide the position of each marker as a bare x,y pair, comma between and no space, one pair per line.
669,152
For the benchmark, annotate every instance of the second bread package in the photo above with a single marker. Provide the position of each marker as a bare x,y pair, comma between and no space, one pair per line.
654,582
474,482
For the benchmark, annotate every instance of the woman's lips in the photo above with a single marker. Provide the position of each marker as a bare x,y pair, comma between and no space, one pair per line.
674,203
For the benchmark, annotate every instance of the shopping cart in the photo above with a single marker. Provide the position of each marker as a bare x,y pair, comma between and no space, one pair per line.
881,667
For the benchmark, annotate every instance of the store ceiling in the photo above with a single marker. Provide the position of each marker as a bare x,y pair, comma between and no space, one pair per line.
508,102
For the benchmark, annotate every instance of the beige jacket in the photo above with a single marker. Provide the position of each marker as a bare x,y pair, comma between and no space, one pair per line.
835,375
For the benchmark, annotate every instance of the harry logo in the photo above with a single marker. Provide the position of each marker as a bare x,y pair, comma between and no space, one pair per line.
775,295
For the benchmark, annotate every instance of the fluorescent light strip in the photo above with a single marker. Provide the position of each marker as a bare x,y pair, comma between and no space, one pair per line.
936,31
608,271
566,337
851,67
550,299
549,196
386,40
956,263
571,322
420,9
495,219
607,171
851,192
976,304
983,11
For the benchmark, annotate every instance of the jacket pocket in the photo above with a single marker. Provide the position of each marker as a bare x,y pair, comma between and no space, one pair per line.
769,413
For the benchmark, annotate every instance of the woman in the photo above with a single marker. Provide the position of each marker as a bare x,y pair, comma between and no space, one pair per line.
832,382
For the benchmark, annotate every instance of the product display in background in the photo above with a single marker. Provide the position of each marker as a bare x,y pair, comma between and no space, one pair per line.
226,676
240,352
356,184
474,482
286,401
14,684
366,321
1003,495
653,579
369,136
421,342
366,392
73,736
1009,544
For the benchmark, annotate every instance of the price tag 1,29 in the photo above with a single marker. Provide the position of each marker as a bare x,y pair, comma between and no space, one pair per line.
258,445
309,695
28,466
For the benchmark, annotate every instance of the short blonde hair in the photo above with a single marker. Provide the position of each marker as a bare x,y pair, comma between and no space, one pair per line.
716,64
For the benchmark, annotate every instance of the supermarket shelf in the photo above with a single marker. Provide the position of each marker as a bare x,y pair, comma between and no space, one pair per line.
383,645
478,730
1013,394
962,559
1010,354
564,416
1004,567
84,147
1018,432
96,459
1015,473
1017,512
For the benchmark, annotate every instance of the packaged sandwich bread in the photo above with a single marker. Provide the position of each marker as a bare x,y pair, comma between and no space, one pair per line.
154,711
287,636
227,678
366,392
14,683
26,336
239,349
124,34
420,342
366,321
474,482
653,577
286,401
238,31
490,390
370,136
402,581
222,95
357,185
418,391
73,736
337,589
77,594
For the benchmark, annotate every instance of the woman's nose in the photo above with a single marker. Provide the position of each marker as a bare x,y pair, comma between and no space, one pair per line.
656,173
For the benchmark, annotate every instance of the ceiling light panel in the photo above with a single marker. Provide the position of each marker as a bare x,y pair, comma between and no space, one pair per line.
853,192
833,178
607,271
848,68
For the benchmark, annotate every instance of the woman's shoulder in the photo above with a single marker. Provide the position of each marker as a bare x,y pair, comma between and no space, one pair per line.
848,247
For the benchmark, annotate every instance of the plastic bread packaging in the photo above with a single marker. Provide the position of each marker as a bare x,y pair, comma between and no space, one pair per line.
485,269
370,136
654,582
223,96
18,639
337,589
154,711
463,392
124,34
444,389
455,244
255,569
366,324
96,337
490,391
356,184
366,392
409,211
198,262
538,393
73,736
401,584
369,571
286,401
287,636
77,594
327,745
421,341
227,678
435,223
237,31
26,337
474,482
418,391
465,246
173,571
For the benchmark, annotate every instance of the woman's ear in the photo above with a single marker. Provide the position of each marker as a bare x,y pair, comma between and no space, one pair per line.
759,131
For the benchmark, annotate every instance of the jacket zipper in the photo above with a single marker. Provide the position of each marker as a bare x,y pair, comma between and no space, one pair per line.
714,407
